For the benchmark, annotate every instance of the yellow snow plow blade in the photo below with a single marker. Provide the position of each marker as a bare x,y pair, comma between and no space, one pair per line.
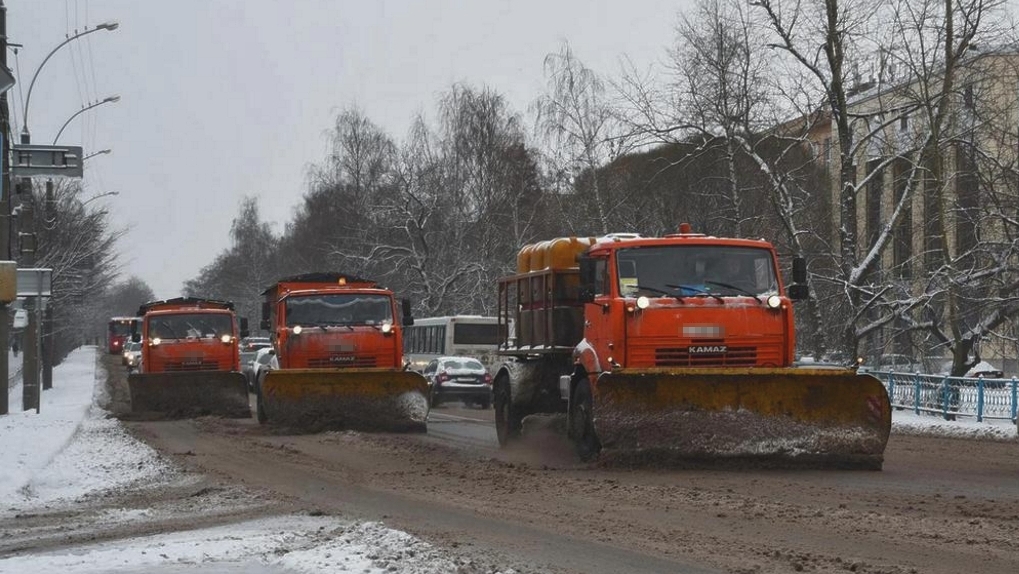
312,400
188,394
822,417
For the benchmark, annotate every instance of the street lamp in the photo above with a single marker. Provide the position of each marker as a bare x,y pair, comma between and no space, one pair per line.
25,135
106,100
95,153
95,197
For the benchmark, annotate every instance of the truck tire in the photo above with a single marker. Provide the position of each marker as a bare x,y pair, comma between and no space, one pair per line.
582,423
507,423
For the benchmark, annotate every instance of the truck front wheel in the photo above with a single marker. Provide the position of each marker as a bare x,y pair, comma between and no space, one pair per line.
507,424
582,423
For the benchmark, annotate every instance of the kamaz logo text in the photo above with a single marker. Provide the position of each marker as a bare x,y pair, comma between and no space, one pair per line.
706,349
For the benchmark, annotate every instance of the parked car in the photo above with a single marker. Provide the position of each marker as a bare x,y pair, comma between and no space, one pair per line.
895,363
262,363
993,376
249,346
458,378
131,356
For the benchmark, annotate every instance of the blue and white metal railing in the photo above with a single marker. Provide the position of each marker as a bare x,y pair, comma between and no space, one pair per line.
949,397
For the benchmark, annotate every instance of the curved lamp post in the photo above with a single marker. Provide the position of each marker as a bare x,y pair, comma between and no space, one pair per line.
95,197
25,135
95,153
106,100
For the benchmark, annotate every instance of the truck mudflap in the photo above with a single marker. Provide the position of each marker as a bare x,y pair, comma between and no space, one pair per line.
188,394
314,400
816,417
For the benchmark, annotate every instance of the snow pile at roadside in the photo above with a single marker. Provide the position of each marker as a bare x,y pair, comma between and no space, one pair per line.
301,544
101,457
69,449
905,422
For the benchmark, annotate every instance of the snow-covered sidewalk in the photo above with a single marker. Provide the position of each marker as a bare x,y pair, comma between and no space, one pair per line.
71,452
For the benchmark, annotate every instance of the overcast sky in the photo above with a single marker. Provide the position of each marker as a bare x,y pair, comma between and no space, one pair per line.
226,98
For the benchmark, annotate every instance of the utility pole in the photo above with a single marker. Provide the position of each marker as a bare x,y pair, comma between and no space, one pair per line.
50,212
31,393
5,216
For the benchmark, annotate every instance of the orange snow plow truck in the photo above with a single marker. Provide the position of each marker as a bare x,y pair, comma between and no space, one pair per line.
338,361
190,364
676,348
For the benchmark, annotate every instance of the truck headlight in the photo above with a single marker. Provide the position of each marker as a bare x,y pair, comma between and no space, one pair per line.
774,301
225,338
643,302
156,341
387,327
297,329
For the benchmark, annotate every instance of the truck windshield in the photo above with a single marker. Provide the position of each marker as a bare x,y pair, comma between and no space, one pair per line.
190,326
345,309
680,270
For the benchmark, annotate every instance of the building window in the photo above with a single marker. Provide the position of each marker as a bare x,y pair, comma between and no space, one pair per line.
967,96
874,188
902,233
904,122
968,197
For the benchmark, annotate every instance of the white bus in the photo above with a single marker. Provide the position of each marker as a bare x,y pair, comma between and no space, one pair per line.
463,335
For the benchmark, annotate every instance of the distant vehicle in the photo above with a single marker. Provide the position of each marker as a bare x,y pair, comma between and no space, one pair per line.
458,378
459,335
132,355
20,319
896,363
993,375
249,346
118,333
261,364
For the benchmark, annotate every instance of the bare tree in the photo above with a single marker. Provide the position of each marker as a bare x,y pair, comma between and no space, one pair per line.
583,132
77,242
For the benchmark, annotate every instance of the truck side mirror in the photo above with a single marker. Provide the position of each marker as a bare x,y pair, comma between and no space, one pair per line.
264,324
799,270
244,327
799,291
587,279
408,317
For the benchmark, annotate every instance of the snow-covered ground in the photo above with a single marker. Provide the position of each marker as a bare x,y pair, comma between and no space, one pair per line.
70,452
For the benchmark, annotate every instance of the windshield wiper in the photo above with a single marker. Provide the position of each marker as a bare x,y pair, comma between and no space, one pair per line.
698,291
735,288
659,291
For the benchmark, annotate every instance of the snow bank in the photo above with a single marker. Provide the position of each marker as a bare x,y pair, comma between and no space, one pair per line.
70,449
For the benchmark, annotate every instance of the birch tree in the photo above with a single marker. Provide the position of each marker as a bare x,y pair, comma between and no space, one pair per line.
583,133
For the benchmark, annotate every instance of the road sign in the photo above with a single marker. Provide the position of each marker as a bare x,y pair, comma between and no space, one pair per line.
6,79
50,160
34,282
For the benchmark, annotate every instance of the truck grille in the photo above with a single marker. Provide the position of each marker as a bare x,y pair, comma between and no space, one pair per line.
342,362
681,357
180,366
